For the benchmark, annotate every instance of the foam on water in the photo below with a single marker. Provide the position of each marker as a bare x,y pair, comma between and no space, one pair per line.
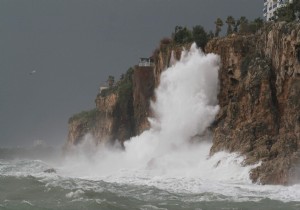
170,161
174,154
186,105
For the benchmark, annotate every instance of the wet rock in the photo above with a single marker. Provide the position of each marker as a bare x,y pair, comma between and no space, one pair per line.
50,171
259,114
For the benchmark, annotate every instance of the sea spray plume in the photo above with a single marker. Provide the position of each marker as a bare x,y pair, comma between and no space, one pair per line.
186,105
186,102
173,59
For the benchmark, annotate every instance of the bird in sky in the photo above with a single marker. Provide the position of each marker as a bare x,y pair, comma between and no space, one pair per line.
32,72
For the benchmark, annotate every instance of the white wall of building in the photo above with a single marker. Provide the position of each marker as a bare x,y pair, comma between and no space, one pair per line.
270,6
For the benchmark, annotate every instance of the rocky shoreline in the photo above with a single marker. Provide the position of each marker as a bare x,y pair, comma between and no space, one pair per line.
259,101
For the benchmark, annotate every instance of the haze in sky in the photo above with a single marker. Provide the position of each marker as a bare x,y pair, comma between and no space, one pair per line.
55,54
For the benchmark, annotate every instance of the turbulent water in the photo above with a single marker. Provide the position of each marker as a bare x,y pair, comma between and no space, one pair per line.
166,167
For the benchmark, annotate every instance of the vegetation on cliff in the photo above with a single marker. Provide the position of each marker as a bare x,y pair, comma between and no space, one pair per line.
122,88
183,35
240,26
259,116
122,111
87,117
289,13
258,92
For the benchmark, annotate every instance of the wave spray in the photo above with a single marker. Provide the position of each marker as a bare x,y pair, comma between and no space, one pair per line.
177,144
166,167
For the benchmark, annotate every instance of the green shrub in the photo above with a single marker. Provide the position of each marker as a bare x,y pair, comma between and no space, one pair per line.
200,36
124,87
88,117
289,12
182,35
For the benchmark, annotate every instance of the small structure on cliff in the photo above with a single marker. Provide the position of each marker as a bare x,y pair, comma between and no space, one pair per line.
101,88
146,62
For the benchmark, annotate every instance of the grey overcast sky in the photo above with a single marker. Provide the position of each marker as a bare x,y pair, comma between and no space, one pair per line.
74,45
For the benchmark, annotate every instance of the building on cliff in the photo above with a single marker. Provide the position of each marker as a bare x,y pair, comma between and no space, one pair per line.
146,62
101,88
270,6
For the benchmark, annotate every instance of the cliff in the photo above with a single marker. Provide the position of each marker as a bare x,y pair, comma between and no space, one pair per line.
259,95
259,100
143,92
111,120
122,111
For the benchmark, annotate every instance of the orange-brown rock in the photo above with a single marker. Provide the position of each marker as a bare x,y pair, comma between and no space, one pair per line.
260,101
123,110
98,122
143,93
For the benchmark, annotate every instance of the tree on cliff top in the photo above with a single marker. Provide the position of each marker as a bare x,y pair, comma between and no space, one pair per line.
243,23
255,25
219,24
230,22
182,35
200,36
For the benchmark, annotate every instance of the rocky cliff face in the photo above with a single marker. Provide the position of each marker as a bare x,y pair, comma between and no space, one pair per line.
260,101
123,111
104,123
143,93
98,122
113,118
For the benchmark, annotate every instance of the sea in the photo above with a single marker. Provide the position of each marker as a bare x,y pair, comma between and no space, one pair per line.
26,184
168,167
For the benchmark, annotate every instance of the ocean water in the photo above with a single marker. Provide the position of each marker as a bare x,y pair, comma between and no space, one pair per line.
166,167
24,185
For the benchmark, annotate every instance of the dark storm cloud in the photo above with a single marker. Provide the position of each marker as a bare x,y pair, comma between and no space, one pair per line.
74,45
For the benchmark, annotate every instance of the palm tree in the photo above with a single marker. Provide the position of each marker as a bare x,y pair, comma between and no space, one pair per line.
236,26
259,22
210,34
219,24
230,22
243,25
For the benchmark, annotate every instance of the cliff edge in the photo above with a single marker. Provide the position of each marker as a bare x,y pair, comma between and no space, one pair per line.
260,100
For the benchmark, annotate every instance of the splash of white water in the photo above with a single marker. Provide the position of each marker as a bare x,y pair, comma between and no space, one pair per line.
174,154
186,105
173,59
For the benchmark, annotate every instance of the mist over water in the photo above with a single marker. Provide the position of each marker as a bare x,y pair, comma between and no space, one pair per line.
173,154
166,167
186,104
178,143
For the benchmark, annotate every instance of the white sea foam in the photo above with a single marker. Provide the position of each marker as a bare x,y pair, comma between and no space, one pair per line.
186,105
75,194
174,154
27,202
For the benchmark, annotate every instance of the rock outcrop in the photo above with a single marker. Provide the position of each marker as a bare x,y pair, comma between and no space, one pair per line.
122,111
111,120
143,93
260,100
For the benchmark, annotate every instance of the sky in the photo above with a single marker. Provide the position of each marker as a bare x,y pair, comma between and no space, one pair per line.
74,45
